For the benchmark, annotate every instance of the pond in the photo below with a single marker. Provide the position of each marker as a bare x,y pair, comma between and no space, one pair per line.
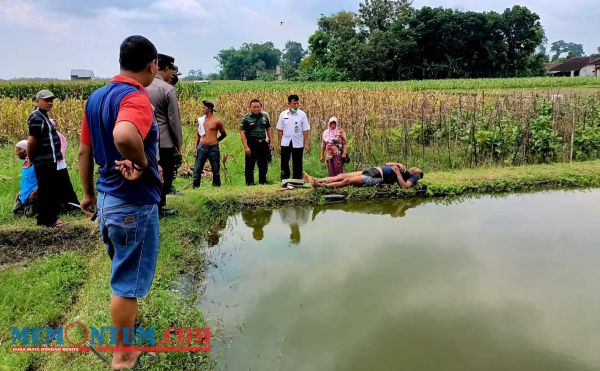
509,283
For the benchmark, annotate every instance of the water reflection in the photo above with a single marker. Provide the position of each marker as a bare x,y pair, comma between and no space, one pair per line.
213,236
294,217
393,208
484,284
257,219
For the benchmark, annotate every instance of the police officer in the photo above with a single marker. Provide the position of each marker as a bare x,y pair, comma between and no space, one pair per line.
166,109
257,139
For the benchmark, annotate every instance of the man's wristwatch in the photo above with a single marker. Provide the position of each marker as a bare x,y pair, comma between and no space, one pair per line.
135,167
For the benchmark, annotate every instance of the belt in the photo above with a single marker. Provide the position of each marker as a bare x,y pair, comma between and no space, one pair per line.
209,145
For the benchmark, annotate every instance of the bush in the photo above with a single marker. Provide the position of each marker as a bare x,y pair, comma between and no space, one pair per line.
544,140
323,73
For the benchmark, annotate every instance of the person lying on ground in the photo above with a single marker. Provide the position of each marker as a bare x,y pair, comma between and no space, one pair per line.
390,173
25,202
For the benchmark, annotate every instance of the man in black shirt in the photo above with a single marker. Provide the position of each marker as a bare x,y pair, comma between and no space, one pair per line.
254,130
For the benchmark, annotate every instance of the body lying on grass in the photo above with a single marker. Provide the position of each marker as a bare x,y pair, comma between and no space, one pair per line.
390,173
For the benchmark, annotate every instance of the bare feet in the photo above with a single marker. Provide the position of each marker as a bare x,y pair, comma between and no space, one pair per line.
59,223
313,181
308,178
125,360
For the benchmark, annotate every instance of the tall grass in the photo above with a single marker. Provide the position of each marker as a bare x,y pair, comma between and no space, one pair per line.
445,130
438,128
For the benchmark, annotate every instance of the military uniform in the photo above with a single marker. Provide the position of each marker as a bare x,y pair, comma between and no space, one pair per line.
255,127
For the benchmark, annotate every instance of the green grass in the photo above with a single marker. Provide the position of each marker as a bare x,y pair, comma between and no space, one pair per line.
75,285
37,295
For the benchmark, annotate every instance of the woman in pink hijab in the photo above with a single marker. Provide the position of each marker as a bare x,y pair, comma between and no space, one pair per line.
333,147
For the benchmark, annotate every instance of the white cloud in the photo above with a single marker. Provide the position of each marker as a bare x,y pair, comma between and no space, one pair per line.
87,33
181,8
24,14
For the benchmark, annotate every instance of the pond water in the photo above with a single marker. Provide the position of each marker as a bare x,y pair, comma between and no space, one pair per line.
509,283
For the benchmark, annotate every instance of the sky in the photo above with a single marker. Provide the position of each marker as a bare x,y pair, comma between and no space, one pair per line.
48,38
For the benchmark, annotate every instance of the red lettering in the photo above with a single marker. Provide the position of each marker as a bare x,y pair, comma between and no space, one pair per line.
167,335
85,329
185,336
202,335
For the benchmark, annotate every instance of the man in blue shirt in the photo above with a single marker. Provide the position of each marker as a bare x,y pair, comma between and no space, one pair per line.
118,132
25,201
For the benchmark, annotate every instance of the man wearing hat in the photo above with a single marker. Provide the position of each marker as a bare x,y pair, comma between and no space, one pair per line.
43,148
207,144
166,110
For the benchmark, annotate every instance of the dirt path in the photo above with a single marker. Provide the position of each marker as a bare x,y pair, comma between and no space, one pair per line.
18,246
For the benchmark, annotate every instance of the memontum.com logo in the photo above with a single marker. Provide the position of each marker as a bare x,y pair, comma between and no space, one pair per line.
77,337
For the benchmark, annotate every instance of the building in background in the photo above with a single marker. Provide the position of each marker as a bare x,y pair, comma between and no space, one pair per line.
578,66
82,74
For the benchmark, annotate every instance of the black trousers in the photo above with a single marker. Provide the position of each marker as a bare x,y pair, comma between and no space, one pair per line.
66,193
167,162
48,193
296,154
259,153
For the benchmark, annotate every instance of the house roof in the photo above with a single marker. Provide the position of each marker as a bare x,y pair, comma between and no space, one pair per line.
82,73
575,64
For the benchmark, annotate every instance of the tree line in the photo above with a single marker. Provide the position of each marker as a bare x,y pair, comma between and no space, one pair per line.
391,40
259,61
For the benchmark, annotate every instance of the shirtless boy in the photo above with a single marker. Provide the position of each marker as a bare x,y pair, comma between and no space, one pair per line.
207,144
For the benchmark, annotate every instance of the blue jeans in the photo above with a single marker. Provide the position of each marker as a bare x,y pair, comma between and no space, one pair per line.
212,154
130,232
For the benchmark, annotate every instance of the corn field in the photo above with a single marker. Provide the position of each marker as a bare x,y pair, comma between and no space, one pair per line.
213,89
434,128
446,130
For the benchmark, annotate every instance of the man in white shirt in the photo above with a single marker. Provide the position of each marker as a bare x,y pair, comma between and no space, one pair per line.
293,131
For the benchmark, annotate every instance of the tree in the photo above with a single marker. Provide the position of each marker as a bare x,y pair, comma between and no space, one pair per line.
523,33
337,44
214,76
292,55
380,15
388,40
194,75
248,62
572,49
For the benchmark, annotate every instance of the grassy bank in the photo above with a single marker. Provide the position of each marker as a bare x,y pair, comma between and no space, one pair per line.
73,285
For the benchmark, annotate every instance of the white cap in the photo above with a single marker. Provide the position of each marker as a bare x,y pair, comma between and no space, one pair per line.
334,119
21,144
